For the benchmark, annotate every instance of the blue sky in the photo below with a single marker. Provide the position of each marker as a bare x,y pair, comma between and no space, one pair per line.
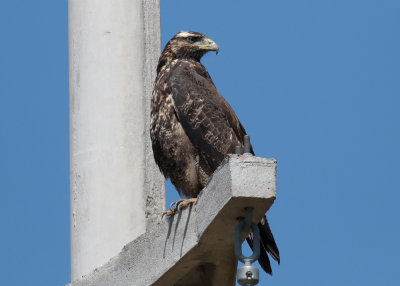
315,83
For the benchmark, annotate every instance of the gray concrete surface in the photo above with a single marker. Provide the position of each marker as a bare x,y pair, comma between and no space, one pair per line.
115,186
155,182
195,247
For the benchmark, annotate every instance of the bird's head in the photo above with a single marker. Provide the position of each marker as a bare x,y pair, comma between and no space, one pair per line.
190,45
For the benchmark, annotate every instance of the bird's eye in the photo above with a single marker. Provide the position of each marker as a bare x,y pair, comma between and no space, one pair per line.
193,39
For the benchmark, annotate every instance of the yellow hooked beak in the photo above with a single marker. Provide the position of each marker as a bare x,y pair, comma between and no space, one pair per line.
208,45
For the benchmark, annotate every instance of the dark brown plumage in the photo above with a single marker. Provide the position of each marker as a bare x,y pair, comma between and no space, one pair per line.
193,127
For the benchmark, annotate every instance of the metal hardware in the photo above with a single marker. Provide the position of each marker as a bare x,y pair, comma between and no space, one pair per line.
246,145
238,150
247,274
246,149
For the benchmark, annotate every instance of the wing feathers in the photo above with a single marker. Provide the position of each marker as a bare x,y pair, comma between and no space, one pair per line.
205,115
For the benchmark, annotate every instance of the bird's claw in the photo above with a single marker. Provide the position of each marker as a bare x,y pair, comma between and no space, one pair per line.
168,213
176,203
185,203
179,205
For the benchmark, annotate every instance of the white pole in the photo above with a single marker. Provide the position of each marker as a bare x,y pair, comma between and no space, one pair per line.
110,163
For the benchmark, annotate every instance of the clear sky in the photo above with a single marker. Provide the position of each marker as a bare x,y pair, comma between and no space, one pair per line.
315,83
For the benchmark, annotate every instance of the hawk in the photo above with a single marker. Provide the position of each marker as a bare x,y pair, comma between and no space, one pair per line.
193,127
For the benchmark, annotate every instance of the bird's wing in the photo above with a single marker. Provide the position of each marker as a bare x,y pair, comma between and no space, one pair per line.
207,118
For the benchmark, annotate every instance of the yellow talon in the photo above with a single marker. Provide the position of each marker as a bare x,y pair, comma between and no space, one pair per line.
176,203
168,213
185,203
180,204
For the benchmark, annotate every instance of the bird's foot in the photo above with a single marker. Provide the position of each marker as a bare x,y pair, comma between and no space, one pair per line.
179,205
170,212
184,203
176,203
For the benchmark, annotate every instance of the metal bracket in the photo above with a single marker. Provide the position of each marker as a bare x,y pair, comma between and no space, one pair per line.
247,274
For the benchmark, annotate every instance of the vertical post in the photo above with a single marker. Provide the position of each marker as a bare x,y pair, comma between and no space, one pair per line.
115,186
155,182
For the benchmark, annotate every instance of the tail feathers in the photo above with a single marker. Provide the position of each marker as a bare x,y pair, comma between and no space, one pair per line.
263,259
267,239
268,245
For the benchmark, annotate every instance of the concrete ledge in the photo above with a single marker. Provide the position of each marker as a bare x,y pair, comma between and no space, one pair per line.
195,247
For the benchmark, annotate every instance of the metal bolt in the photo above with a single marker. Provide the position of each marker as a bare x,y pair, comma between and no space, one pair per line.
246,144
238,150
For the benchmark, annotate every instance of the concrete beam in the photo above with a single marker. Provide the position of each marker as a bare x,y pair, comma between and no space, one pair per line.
196,246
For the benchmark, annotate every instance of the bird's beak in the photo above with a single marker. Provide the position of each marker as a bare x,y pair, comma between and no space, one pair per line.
209,45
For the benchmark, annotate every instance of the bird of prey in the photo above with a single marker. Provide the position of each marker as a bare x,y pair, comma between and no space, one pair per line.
193,127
